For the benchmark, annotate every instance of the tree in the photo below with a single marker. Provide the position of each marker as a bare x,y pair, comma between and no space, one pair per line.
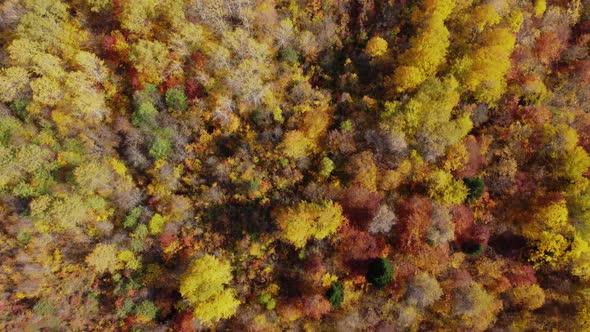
12,81
103,258
527,297
376,47
146,310
549,231
62,213
383,220
144,114
476,308
442,229
414,221
483,71
335,294
380,272
203,285
475,187
150,58
306,220
472,248
93,176
326,167
428,48
423,291
444,189
160,146
296,144
315,306
176,99
136,14
427,119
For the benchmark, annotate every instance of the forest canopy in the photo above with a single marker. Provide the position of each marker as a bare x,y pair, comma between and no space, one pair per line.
294,165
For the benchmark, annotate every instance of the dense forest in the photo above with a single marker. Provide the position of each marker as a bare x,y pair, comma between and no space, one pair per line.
295,165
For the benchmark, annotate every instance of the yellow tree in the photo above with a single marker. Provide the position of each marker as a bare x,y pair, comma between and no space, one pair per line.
103,258
150,58
428,48
549,230
376,47
307,220
203,285
483,70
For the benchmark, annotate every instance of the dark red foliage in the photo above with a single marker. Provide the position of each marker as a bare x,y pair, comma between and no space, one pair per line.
194,89
313,264
480,234
356,246
184,322
520,274
550,198
463,219
134,79
475,161
549,46
413,222
360,205
315,306
583,70
199,60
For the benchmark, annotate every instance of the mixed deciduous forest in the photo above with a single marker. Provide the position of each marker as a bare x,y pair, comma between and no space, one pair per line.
294,165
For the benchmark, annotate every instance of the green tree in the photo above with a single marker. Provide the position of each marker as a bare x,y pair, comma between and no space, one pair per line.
380,272
176,99
335,294
475,187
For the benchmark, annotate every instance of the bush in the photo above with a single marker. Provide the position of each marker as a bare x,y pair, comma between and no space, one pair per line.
380,272
475,186
176,99
335,294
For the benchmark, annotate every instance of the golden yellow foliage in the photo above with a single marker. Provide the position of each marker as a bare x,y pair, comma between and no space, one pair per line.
296,144
549,230
539,6
443,188
483,71
203,285
103,258
428,48
376,47
307,220
527,297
